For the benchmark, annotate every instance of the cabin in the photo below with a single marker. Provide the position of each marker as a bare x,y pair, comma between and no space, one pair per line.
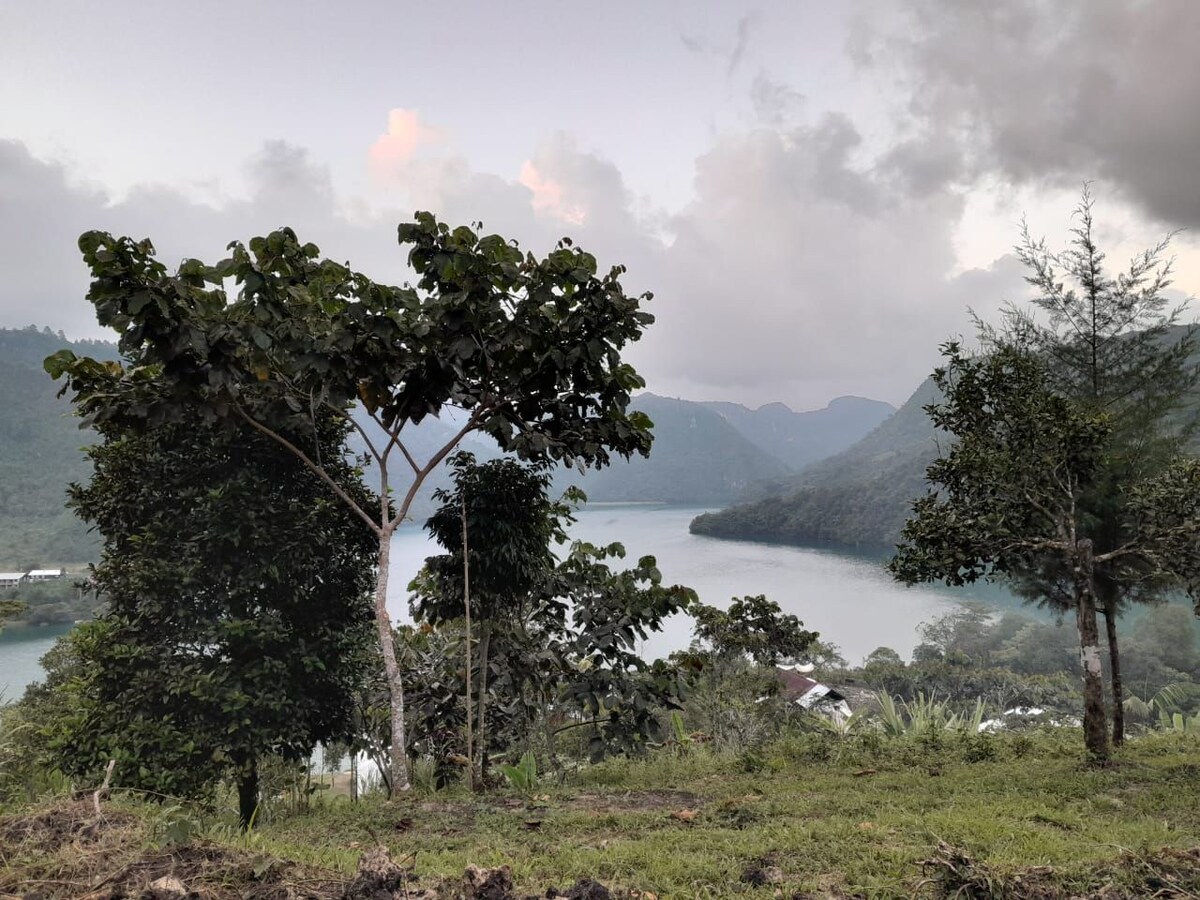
11,579
46,574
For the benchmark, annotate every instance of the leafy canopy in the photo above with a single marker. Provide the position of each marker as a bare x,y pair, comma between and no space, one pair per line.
530,347
237,592
1009,485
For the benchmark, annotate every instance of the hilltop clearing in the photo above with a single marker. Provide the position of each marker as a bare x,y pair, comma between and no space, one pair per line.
813,816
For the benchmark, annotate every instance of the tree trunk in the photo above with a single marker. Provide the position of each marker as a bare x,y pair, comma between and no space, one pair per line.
1114,670
467,614
387,644
485,640
1095,732
247,789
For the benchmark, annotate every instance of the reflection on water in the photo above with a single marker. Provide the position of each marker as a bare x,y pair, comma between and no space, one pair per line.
847,597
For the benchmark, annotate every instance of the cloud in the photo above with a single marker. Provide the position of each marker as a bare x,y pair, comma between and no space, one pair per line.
406,134
735,55
741,42
797,272
1050,93
548,196
773,102
43,212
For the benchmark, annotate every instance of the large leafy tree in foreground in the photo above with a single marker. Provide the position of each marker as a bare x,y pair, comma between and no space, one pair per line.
237,595
1113,343
524,349
1007,497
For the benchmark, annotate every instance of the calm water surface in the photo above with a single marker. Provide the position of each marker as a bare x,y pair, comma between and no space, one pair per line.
848,598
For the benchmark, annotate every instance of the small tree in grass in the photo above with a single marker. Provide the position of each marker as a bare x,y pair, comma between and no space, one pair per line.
500,517
558,639
524,349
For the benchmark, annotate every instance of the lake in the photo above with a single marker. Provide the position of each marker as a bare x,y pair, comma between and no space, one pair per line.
848,598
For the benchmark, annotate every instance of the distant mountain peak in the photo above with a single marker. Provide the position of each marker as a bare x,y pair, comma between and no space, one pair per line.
855,400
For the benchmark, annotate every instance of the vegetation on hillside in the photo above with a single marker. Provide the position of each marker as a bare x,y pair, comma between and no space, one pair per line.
41,452
801,438
698,457
859,497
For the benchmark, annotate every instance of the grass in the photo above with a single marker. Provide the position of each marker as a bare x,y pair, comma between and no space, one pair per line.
825,823
819,814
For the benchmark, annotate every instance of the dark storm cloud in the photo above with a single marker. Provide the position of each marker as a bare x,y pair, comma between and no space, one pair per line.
1050,92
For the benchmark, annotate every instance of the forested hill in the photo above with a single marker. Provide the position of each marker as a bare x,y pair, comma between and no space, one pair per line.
704,453
801,438
40,453
860,496
697,457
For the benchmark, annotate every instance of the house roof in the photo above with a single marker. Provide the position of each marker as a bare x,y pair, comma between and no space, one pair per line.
794,685
11,576
798,687
47,573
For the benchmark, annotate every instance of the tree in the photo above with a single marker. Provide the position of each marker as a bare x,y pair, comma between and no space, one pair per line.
1114,344
238,601
1008,492
523,349
753,627
9,609
513,524
589,622
1007,497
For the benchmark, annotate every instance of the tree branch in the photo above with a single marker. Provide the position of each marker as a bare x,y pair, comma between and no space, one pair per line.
310,465
423,473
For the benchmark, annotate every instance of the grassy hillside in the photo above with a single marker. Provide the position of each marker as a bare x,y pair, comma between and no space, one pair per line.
1013,816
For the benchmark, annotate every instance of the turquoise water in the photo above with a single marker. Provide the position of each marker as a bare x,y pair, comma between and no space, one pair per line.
848,598
20,650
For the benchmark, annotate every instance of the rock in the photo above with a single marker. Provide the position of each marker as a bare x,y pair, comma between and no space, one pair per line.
166,888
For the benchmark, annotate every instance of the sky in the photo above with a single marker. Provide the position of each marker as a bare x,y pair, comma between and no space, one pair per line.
817,193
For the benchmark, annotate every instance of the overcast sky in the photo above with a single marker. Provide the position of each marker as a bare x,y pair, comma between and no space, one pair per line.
815,191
